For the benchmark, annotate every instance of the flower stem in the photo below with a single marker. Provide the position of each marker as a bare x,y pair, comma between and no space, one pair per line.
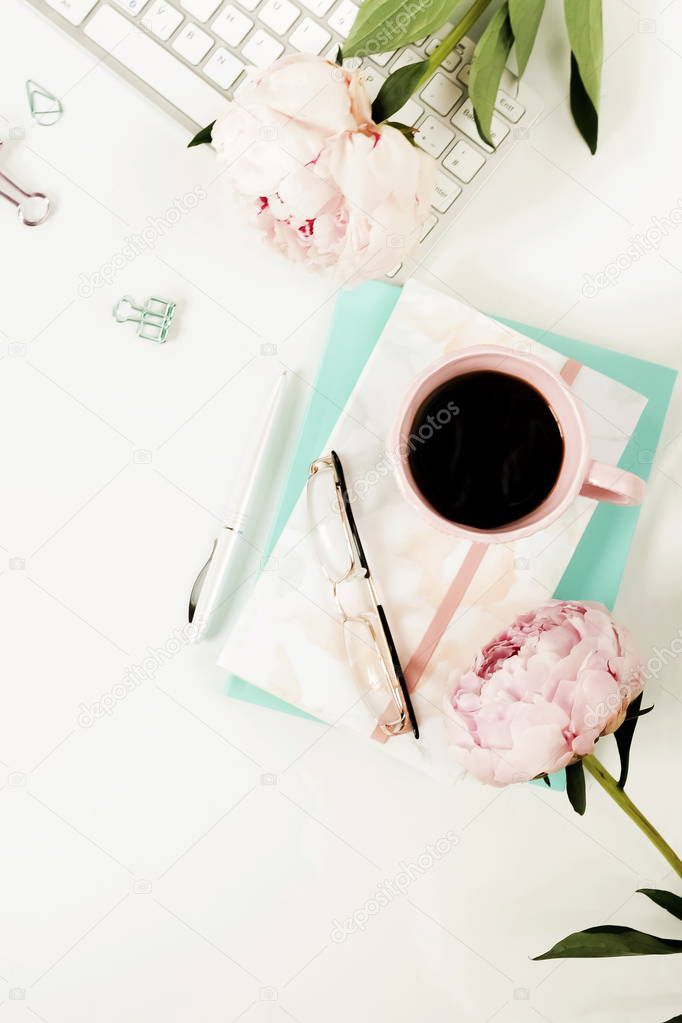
460,30
450,41
610,785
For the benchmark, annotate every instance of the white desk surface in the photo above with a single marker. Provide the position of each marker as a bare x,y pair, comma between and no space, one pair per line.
186,857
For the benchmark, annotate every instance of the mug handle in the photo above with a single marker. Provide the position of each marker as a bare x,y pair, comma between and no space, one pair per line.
609,483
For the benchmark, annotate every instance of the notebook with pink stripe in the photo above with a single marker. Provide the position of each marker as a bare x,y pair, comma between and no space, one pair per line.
444,597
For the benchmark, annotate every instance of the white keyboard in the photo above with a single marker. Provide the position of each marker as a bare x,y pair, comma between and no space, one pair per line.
191,55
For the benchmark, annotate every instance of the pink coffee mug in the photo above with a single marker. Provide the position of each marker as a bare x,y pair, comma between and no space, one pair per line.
579,473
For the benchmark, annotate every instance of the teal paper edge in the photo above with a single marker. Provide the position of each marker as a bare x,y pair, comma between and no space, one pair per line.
359,319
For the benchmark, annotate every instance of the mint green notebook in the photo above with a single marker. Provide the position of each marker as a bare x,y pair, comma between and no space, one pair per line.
596,569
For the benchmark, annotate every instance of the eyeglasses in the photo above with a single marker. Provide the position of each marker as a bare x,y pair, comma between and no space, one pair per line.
369,644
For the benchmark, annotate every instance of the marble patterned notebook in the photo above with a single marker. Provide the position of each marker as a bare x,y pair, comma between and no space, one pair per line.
288,641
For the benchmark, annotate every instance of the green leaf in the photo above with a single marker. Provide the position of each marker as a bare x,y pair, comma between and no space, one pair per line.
585,35
666,900
623,736
202,137
398,88
383,25
609,941
575,786
487,65
404,129
525,18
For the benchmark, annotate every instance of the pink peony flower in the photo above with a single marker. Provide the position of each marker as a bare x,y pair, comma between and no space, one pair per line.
326,185
541,693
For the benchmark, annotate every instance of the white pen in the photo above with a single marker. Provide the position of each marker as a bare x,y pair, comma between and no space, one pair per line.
209,584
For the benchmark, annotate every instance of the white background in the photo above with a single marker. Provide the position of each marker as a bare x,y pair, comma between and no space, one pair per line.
186,857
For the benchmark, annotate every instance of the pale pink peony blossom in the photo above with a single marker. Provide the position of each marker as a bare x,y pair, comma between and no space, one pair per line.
324,184
540,694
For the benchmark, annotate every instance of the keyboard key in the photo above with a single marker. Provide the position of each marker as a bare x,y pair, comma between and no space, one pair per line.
343,17
279,15
249,5
382,59
511,108
448,63
463,161
463,74
408,114
192,43
373,82
433,40
428,226
73,10
131,6
309,37
432,136
231,25
162,19
464,120
405,58
223,67
200,9
157,67
318,7
441,93
465,49
261,49
445,191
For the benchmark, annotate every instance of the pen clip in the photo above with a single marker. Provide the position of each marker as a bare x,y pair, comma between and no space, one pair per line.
198,584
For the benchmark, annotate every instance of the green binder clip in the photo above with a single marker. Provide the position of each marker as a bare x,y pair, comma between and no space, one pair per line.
153,318
45,108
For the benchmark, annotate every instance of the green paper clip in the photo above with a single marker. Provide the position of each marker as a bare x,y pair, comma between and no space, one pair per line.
153,318
45,114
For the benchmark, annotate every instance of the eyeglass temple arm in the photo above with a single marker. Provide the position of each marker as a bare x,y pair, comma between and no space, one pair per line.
393,653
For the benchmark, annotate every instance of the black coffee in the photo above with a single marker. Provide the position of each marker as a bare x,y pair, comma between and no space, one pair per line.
485,449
